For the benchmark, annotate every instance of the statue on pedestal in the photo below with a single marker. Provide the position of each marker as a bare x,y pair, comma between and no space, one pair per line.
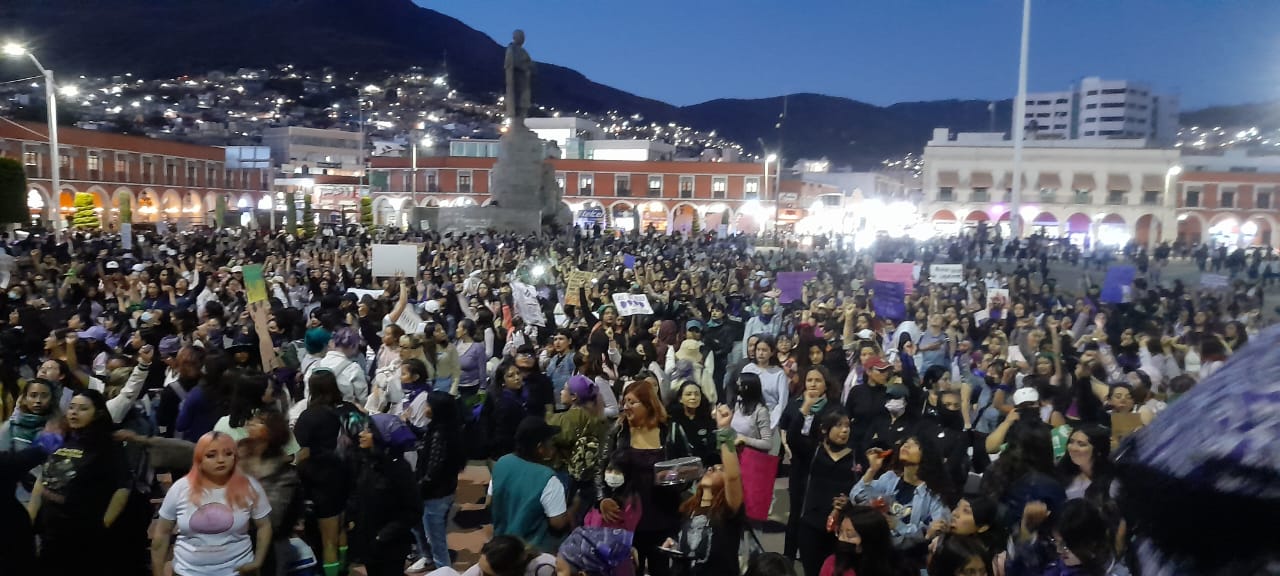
519,68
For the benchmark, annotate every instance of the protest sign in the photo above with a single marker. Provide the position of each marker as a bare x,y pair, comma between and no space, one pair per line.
946,273
887,300
791,285
997,299
255,286
576,279
392,259
1214,281
1122,425
525,299
632,304
902,273
628,261
1117,284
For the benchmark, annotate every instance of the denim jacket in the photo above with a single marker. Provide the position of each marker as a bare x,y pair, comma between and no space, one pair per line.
925,507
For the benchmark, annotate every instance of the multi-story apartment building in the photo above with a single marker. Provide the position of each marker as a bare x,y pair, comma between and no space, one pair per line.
1098,109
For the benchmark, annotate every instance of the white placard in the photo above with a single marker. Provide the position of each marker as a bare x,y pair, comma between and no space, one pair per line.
1015,355
391,259
946,273
126,236
525,299
632,304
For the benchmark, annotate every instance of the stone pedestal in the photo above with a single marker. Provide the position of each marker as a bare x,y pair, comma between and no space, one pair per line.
516,180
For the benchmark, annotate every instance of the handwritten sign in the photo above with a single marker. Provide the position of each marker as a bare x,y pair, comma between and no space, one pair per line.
577,279
255,287
791,285
392,259
887,300
632,304
901,273
525,299
946,273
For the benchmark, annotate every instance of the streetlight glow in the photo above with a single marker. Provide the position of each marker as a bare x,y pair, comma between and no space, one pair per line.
69,91
771,158
14,49
1175,170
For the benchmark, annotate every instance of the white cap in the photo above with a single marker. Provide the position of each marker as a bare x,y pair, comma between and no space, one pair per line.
1026,396
431,306
866,334
139,267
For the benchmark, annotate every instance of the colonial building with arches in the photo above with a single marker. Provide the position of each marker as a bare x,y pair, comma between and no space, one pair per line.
173,182
1109,191
667,196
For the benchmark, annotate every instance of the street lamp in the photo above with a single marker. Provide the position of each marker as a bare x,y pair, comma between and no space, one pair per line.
16,50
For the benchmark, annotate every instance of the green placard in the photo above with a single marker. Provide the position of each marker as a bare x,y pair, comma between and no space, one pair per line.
255,287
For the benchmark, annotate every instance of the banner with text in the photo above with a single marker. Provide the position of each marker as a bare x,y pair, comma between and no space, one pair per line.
887,300
632,304
525,299
946,273
902,273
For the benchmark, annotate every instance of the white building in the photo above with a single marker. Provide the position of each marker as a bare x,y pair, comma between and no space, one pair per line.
1098,109
316,151
569,133
1105,190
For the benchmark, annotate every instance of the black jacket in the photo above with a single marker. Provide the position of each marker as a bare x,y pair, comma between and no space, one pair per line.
385,504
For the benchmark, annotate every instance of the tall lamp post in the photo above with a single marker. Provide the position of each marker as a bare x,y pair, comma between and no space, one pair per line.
51,103
777,188
426,143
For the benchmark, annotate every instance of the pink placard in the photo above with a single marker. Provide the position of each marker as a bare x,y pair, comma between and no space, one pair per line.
900,273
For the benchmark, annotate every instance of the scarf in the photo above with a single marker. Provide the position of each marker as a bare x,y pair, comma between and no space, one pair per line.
24,426
818,406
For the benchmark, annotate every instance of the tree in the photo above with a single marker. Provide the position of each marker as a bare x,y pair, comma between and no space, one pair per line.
220,211
366,211
126,208
308,219
13,192
84,216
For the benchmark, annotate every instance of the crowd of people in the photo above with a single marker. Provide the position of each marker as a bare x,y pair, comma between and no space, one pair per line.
253,403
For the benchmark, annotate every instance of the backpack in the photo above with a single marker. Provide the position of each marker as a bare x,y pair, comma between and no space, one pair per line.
584,457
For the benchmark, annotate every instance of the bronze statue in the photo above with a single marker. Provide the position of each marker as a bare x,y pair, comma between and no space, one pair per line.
519,67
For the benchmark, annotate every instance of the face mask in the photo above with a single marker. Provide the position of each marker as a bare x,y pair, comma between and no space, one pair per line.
896,406
14,296
614,479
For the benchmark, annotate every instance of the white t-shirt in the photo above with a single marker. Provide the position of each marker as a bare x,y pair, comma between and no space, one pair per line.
213,539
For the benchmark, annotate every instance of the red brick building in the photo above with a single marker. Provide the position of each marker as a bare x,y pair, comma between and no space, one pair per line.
670,196
162,180
1238,208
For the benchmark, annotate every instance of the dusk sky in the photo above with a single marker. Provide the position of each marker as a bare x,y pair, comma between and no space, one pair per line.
885,51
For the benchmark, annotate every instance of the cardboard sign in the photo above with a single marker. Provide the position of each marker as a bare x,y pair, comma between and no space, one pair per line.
525,299
791,285
887,300
255,286
946,273
902,273
1118,283
576,279
1122,425
632,304
392,259
1214,281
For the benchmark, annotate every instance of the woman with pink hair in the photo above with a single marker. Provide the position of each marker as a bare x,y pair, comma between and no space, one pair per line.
212,507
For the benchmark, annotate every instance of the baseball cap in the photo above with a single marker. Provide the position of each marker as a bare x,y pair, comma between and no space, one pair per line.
430,307
896,391
693,325
93,333
866,334
1026,395
169,346
113,265
138,267
533,430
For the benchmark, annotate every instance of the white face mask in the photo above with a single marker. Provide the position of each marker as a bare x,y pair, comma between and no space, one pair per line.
614,479
896,406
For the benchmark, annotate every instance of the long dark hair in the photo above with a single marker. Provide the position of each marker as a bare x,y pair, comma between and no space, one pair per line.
931,469
1103,470
876,557
954,553
1030,450
676,408
247,389
1084,531
750,392
98,432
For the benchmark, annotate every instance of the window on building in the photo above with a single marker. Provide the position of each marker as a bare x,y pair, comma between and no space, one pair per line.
95,165
1061,101
1113,104
655,186
1030,115
1042,115
122,168
1091,133
981,195
1091,93
1262,200
585,184
1043,102
1090,106
1114,91
751,188
1113,118
1242,169
1110,132
149,170
1090,120
1192,198
1047,194
1059,126
1227,199
1151,197
1031,102
1082,197
31,160
210,176
686,186
64,164
946,194
1115,197
191,174
1059,114
433,181
719,187
622,185
464,181
560,181
170,173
